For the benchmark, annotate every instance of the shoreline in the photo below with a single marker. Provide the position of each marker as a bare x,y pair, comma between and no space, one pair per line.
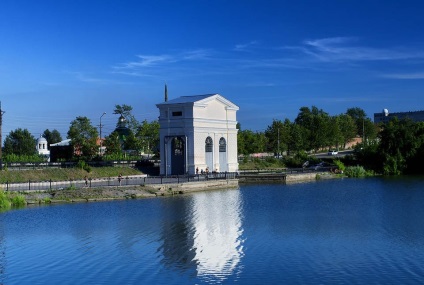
110,193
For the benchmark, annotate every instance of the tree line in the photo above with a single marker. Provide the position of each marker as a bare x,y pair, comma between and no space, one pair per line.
393,148
312,130
129,134
399,149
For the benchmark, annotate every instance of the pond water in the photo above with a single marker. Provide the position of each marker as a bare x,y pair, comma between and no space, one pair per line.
366,231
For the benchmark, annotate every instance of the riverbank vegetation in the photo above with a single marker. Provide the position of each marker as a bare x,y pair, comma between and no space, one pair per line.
399,149
8,200
64,174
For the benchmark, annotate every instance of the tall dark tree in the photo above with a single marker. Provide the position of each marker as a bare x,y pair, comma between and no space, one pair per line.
316,123
113,144
370,130
297,139
347,128
52,137
359,116
277,135
19,142
400,141
131,142
83,137
335,137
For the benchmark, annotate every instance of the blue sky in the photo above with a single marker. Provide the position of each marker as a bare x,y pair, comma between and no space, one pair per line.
69,58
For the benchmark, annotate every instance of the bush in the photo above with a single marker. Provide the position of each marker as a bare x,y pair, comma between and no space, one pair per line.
14,158
83,165
18,201
47,200
340,165
299,159
5,203
356,171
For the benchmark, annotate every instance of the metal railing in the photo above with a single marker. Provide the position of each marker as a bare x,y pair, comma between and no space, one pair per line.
114,182
287,170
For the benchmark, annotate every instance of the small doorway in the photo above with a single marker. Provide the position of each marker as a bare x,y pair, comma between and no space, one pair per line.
177,156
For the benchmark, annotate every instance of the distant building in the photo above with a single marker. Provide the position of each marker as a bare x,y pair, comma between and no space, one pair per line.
198,132
385,116
41,147
61,151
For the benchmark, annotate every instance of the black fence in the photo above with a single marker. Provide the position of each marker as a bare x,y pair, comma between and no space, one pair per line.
310,169
114,182
71,164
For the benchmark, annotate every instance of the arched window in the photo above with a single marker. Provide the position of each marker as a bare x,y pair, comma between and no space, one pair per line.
222,145
208,144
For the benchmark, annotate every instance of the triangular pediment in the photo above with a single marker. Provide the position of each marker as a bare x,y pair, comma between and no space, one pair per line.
216,97
200,101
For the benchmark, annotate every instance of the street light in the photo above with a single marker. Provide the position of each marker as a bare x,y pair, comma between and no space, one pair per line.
101,142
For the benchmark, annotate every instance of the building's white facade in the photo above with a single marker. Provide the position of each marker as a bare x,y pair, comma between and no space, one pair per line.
198,132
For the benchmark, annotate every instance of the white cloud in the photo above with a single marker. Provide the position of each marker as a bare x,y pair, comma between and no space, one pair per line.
342,49
244,47
145,61
150,61
418,75
196,54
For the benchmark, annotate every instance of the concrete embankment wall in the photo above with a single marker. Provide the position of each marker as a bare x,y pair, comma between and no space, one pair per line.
280,178
181,188
293,178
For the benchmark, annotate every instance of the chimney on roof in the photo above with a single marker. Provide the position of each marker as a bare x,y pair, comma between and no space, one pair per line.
166,93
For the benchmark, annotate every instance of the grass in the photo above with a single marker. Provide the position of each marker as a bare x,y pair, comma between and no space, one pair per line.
255,163
9,200
63,174
5,203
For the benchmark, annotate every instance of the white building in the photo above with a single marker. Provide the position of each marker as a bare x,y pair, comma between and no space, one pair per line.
198,132
41,147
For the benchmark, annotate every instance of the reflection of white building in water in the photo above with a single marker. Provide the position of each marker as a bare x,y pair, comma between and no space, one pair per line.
217,238
198,132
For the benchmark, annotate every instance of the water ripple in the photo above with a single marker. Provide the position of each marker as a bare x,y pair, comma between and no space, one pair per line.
349,231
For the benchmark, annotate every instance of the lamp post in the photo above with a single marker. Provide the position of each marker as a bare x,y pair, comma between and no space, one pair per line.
101,142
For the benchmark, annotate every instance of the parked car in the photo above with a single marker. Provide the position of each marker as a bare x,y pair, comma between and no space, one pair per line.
333,152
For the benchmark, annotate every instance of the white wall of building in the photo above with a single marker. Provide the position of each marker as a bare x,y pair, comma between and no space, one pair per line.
201,116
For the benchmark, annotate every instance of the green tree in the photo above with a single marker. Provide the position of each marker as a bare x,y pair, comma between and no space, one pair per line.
277,135
83,137
19,142
335,137
251,142
52,137
273,133
370,130
359,116
297,138
148,136
400,142
131,142
126,112
347,128
112,144
316,123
